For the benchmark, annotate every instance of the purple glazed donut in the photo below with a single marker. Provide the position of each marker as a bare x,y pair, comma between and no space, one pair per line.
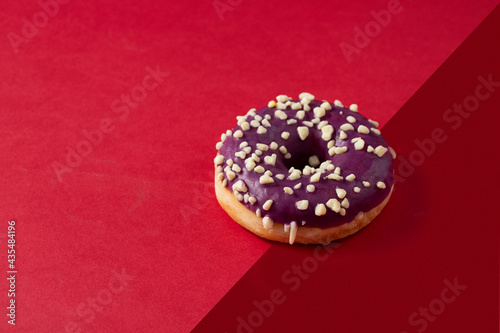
303,171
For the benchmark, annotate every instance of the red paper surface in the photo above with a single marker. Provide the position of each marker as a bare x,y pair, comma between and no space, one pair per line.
129,237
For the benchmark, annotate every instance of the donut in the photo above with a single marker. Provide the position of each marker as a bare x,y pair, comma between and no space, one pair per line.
303,170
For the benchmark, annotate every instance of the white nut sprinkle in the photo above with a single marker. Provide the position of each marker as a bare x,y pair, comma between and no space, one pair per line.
220,176
331,144
330,167
306,95
249,164
258,213
219,159
366,184
351,119
240,154
282,98
243,144
239,196
307,170
280,176
381,185
252,200
340,192
319,112
338,103
294,175
259,169
280,114
271,160
314,161
320,209
375,123
261,130
303,132
293,232
283,150
325,164
285,135
316,177
288,190
229,162
224,183
308,123
267,223
219,168
347,127
300,114
268,172
281,106
299,185
326,132
291,121
374,130
360,144
223,137
322,124
267,205
380,151
245,126
356,189
351,177
245,197
262,146
331,151
255,123
271,104
236,168
266,123
258,152
288,156
306,107
247,150
334,176
334,205
296,106
342,211
238,134
255,157
325,105
343,135
340,150
229,132
353,107
370,149
310,188
302,204
258,117
230,175
273,145
363,129
345,203
240,186
218,146
265,179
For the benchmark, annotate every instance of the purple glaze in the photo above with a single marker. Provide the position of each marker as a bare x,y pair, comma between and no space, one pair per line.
365,166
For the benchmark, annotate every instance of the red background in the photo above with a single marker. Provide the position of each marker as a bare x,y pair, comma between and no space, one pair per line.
141,201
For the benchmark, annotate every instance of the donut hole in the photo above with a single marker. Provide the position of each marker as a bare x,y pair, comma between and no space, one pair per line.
308,158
